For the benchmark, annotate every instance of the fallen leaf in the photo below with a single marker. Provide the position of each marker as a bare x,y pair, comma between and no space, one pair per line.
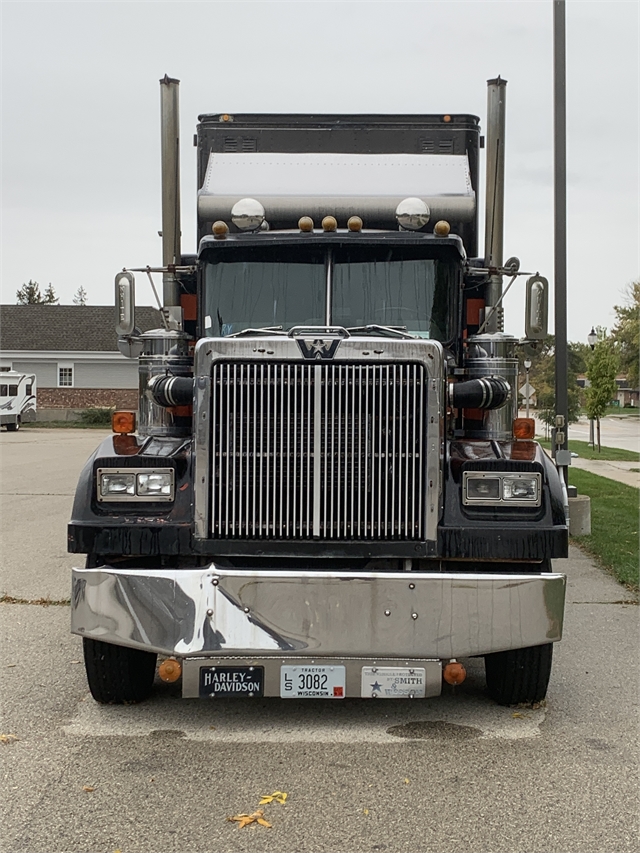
406,781
278,796
88,788
74,661
213,728
246,819
365,811
8,738
518,715
11,665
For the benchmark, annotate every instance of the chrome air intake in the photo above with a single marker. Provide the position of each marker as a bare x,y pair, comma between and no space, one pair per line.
492,356
164,353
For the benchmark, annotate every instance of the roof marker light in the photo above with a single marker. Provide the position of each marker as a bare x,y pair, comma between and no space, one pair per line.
329,223
220,229
305,223
354,223
442,228
412,214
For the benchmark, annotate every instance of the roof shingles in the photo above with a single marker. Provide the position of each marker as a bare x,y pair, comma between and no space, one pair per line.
80,328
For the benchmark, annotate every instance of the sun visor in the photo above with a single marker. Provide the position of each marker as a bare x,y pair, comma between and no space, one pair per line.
368,185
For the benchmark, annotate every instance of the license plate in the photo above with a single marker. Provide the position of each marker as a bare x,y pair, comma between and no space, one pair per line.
239,682
312,682
391,682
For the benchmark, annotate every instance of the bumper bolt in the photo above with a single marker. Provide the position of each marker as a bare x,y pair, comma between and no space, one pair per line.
387,613
414,615
209,612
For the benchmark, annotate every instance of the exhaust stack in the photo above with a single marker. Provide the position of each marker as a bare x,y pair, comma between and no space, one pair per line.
170,156
494,221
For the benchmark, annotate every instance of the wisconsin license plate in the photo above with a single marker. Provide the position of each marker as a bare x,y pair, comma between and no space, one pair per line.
391,682
235,681
312,682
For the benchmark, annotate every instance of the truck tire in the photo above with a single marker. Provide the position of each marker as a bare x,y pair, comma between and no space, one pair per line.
13,427
519,675
118,675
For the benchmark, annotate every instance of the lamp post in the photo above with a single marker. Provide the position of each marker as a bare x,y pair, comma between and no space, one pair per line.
592,337
527,393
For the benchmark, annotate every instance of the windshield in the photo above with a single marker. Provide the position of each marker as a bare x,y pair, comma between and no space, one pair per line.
393,286
259,287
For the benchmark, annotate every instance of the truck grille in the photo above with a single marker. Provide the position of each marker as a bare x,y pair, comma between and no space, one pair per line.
324,451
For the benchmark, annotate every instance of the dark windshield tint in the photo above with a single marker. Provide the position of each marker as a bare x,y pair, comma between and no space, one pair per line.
393,287
258,287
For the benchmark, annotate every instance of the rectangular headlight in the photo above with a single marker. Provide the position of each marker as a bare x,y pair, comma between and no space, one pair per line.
520,488
135,484
489,488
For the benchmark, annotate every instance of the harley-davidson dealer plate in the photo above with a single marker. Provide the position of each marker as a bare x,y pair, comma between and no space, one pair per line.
246,682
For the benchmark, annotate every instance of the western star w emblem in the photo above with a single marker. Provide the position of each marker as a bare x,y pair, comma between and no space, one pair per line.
319,347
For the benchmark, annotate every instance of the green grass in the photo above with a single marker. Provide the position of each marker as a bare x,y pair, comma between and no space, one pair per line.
614,525
608,454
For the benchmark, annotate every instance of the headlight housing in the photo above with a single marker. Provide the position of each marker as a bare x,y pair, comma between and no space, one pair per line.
492,488
135,484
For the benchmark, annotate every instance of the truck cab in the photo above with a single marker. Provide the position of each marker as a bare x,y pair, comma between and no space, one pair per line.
328,491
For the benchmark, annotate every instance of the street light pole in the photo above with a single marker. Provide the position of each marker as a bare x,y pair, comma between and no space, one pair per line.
592,337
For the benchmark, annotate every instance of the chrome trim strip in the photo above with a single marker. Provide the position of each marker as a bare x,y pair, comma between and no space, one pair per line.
216,611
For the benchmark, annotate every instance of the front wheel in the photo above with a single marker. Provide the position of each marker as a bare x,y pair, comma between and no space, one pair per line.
519,675
116,674
13,427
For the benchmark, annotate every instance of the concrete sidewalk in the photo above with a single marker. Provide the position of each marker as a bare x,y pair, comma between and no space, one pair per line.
624,472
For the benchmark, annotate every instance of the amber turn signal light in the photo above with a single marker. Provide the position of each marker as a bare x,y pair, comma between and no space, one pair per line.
454,672
170,670
524,428
123,422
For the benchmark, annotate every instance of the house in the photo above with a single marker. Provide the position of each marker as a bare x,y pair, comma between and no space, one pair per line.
73,351
626,397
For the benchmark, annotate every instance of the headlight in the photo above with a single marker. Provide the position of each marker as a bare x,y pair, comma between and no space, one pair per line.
520,489
135,484
488,488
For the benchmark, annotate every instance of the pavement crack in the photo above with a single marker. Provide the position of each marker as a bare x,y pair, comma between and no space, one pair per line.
40,602
620,601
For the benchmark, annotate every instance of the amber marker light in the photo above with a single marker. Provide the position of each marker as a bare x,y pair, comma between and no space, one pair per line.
354,223
329,223
454,673
170,670
524,428
442,228
220,229
446,118
305,223
123,422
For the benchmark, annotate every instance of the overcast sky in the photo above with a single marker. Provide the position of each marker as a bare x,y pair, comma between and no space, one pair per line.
80,120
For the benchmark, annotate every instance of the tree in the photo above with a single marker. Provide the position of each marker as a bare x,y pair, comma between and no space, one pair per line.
601,373
29,294
626,333
80,297
50,297
543,379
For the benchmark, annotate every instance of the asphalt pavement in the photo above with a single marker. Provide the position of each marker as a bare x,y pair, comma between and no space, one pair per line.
453,773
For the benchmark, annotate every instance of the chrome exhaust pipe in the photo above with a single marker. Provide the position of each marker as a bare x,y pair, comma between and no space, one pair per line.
494,212
170,156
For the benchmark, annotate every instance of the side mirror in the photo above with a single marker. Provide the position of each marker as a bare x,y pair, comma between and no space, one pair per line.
125,303
537,308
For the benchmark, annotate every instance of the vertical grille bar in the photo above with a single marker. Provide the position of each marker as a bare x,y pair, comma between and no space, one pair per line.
318,451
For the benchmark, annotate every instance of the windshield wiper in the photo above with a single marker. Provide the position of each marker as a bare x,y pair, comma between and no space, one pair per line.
266,330
381,331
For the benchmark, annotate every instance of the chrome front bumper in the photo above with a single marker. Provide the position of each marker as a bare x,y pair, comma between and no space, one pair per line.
216,612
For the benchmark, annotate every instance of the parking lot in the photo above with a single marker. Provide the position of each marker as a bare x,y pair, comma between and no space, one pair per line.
454,773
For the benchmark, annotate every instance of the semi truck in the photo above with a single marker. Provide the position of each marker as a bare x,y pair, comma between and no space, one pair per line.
326,491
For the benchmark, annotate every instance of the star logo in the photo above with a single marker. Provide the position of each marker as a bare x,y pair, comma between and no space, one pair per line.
376,687
318,347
